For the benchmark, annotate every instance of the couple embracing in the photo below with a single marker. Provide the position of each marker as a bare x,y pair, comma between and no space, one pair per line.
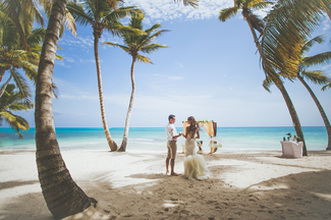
194,164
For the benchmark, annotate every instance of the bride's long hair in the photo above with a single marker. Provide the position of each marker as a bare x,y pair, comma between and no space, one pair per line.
194,125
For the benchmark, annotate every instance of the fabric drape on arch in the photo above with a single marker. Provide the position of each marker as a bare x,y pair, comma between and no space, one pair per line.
209,126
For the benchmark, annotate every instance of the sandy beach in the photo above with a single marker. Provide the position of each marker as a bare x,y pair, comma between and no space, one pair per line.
133,185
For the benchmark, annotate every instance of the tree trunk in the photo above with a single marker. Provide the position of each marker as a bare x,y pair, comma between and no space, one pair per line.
2,73
3,89
288,101
61,193
320,108
111,143
292,111
128,115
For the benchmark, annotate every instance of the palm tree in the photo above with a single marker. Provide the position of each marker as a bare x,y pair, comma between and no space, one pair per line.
287,27
246,7
12,58
11,53
12,101
256,24
61,193
101,15
317,77
133,44
23,13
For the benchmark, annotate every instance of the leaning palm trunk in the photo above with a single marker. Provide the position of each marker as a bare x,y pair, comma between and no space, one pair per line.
2,73
5,85
292,111
293,114
320,108
62,195
288,101
128,115
111,143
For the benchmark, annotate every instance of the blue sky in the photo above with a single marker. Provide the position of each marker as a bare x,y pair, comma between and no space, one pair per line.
211,70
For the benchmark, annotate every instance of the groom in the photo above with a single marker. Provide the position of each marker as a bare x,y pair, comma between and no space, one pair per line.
171,144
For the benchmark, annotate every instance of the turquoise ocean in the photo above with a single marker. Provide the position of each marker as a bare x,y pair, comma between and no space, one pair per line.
233,139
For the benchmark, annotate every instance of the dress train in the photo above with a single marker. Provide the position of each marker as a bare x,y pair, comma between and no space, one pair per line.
195,166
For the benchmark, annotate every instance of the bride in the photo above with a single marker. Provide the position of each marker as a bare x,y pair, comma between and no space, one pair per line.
194,164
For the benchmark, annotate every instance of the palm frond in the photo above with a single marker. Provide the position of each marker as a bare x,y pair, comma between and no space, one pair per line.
266,84
69,23
143,59
15,122
153,28
78,13
328,86
36,37
320,58
193,3
306,46
117,29
11,101
228,13
258,4
288,25
148,39
152,47
125,48
122,13
24,90
316,76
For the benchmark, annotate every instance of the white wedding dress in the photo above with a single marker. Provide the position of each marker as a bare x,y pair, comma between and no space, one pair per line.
195,166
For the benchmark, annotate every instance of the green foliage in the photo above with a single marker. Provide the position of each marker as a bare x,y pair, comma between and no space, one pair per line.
10,102
101,15
193,3
136,40
246,7
287,26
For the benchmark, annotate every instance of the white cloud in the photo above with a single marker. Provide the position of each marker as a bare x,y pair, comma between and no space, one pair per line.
79,97
84,43
165,10
92,60
62,63
69,59
169,77
326,24
180,65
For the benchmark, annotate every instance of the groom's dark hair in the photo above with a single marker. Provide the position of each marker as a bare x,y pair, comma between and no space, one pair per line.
171,117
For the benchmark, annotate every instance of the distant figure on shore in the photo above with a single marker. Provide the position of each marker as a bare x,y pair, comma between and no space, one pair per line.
194,164
213,145
171,145
199,143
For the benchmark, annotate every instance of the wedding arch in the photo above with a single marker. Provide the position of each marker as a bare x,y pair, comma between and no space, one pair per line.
210,127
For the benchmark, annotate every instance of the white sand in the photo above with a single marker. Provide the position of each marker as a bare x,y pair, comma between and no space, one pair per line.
133,185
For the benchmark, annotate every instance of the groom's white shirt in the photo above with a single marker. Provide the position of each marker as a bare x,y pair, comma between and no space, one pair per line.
171,132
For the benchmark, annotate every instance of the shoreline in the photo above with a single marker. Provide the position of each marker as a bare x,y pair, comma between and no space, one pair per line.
133,185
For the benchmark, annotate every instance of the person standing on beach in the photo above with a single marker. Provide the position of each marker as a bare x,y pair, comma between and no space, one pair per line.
195,166
171,145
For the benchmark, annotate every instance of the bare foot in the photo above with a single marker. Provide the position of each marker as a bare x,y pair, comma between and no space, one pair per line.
167,172
175,174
